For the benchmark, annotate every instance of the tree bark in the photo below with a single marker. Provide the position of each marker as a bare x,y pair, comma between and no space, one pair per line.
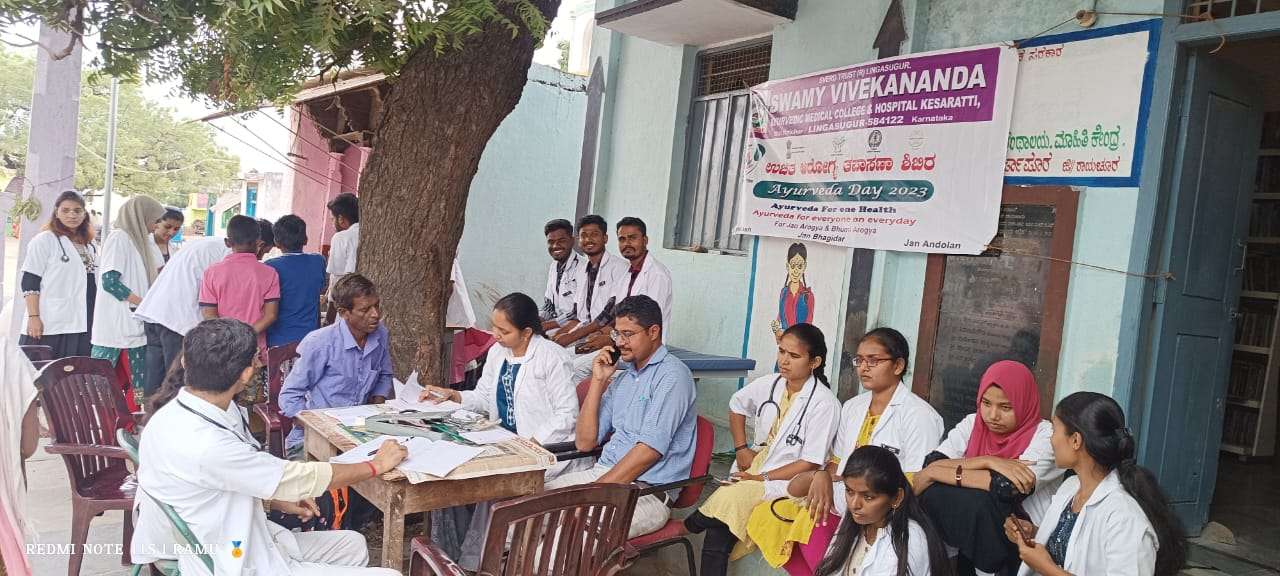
436,121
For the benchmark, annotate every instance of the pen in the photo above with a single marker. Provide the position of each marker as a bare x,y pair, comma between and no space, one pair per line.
375,450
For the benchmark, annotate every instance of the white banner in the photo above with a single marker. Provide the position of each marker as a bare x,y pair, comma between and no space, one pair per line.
903,154
1079,113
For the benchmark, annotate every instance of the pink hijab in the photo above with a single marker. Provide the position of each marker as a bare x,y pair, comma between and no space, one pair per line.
1019,385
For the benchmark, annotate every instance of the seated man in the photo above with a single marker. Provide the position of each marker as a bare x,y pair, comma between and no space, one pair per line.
347,363
198,456
649,409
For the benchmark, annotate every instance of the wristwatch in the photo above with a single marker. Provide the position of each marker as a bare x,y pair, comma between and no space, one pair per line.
765,475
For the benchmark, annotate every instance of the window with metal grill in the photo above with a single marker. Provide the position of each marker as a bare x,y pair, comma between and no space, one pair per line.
717,133
1228,8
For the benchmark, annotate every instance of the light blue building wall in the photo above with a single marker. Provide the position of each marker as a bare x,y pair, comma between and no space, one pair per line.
527,176
640,166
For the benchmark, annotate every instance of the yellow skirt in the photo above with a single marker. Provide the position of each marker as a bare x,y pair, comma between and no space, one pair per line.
776,537
732,505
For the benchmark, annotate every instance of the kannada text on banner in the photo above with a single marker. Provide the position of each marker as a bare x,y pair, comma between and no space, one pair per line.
898,154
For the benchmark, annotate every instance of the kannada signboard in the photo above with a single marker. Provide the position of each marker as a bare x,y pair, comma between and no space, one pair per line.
1081,106
903,154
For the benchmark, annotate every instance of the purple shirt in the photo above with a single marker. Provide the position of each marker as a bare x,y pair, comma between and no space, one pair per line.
333,372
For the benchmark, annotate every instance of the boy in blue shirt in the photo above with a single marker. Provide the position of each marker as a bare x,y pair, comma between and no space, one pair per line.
302,283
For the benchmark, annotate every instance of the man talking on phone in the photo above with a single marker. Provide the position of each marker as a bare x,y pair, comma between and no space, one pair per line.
649,409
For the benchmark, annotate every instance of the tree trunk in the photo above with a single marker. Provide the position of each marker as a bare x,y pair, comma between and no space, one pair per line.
436,121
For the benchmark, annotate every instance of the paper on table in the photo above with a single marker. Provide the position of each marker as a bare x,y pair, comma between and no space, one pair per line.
351,415
407,398
491,436
437,458
364,452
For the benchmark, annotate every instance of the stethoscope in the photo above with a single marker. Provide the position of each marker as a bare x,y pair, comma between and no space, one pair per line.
245,421
793,437
64,257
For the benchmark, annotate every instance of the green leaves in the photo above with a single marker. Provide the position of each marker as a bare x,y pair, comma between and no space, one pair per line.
240,53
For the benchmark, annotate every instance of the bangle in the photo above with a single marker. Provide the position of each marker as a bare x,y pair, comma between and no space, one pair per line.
959,473
737,449
33,315
372,469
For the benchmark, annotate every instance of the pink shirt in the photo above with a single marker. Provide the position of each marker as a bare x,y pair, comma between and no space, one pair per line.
240,286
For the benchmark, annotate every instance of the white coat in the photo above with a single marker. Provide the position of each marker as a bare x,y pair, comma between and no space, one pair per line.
562,297
1111,536
654,281
815,430
909,427
1039,451
546,401
882,560
63,308
611,282
174,300
216,480
113,323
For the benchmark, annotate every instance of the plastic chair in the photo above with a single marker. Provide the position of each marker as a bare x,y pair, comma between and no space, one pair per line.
578,530
566,451
38,354
129,442
279,362
673,532
82,401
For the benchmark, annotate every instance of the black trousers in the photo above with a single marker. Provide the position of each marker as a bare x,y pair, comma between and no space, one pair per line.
163,345
716,545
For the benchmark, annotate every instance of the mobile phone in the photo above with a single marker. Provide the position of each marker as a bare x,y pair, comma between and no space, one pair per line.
614,355
725,481
1021,514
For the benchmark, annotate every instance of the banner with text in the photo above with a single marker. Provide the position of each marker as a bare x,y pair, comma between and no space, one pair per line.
1080,108
903,154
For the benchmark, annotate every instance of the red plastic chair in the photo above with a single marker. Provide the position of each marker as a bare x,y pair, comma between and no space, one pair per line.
673,532
279,362
81,399
578,530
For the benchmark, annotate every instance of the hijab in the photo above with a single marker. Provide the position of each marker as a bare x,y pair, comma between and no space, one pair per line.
135,219
1019,385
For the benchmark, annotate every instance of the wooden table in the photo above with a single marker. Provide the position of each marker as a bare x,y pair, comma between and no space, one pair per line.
395,496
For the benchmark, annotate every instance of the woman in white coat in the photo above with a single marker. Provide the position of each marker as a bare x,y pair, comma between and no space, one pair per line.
58,280
526,385
130,263
526,381
1111,517
794,415
889,416
885,531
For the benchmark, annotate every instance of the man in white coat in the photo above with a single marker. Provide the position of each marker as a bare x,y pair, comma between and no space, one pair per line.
646,275
601,284
562,275
198,456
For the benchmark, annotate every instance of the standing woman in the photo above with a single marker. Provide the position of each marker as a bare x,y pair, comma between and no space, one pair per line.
170,225
994,462
795,416
885,531
130,263
1111,517
889,416
58,280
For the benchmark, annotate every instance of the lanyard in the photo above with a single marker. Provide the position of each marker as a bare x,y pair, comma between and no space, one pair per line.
255,445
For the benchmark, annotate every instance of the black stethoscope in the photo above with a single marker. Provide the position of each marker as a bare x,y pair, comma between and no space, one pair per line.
793,437
257,447
64,257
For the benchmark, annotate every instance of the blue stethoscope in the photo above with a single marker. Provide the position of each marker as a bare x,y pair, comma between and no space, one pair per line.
793,436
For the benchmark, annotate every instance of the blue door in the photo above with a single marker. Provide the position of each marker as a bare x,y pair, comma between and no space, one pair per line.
1194,317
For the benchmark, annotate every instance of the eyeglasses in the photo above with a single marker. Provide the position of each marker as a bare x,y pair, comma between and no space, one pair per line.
622,336
868,361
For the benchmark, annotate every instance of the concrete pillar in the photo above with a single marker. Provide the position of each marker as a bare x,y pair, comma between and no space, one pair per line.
51,146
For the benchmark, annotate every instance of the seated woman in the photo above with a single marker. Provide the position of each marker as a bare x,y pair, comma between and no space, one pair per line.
889,416
794,416
885,531
526,384
994,462
1111,517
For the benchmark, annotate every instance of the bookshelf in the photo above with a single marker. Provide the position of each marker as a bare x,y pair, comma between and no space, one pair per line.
1249,419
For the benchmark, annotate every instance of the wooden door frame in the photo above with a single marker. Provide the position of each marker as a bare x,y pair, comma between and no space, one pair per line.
1065,201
